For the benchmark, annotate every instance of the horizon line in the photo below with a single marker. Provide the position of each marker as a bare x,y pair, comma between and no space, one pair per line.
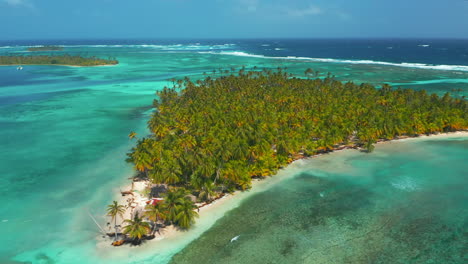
239,38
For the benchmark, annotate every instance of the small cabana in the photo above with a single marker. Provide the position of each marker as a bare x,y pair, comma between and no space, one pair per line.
154,201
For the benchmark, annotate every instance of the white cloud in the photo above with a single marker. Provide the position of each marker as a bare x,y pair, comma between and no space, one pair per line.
283,10
312,10
343,15
249,5
19,3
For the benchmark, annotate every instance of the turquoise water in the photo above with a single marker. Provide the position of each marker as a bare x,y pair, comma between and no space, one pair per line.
404,203
64,138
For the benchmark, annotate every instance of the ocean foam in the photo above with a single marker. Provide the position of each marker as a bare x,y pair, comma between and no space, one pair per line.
237,53
169,47
370,62
424,82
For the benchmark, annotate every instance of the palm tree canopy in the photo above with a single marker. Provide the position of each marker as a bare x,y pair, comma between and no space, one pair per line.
215,135
186,214
156,212
173,199
136,228
132,135
115,209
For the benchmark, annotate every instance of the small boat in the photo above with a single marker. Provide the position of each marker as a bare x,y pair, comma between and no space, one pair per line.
118,243
126,192
19,68
235,238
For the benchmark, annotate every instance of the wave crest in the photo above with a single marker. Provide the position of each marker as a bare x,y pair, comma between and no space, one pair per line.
370,62
168,47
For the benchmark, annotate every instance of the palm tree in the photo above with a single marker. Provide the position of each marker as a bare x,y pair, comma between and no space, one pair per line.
173,199
207,191
172,172
114,210
155,213
369,146
136,228
132,135
143,155
308,71
186,214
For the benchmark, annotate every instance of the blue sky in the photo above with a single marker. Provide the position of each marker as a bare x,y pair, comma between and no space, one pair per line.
56,19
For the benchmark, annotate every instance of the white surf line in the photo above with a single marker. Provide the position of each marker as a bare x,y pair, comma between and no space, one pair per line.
463,68
431,82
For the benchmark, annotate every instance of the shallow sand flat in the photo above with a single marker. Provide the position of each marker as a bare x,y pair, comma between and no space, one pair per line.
403,203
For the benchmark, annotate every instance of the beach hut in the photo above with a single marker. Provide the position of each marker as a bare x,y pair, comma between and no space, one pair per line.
154,201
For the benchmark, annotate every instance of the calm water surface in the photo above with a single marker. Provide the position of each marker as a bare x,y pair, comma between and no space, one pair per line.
405,203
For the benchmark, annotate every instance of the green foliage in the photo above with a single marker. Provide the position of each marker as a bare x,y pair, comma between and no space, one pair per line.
217,134
56,60
136,228
308,72
115,209
206,190
155,213
369,146
186,214
179,208
45,48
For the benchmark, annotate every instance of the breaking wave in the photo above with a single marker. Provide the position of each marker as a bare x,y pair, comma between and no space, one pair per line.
403,64
169,47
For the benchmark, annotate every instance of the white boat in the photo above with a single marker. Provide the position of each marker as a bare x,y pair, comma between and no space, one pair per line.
19,68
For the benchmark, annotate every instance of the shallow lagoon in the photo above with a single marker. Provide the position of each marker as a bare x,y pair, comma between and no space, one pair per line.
64,137
404,203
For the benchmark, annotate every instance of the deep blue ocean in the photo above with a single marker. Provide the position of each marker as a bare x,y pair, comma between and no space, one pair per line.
63,140
423,51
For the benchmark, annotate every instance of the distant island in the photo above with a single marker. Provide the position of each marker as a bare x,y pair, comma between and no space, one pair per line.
45,48
213,136
65,60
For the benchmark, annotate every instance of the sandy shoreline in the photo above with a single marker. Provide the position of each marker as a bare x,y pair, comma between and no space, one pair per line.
171,240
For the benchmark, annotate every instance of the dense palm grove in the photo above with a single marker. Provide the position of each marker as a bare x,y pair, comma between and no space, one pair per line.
215,135
56,60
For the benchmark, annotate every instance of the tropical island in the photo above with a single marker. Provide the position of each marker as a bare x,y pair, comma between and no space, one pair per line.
65,60
45,48
213,136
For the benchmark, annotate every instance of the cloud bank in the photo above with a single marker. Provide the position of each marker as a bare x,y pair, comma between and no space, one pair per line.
309,11
19,3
